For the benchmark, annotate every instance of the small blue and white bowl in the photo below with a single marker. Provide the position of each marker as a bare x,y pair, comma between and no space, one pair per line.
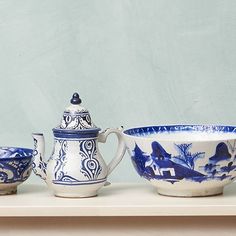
15,168
184,160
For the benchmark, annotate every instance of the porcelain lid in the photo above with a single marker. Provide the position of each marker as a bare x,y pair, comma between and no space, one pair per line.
76,117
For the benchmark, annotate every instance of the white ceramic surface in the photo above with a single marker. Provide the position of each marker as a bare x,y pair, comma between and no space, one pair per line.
184,160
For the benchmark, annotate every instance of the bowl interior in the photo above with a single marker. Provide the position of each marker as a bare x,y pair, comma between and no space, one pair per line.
184,133
15,152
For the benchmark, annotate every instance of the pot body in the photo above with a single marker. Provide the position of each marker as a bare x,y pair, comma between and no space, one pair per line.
76,167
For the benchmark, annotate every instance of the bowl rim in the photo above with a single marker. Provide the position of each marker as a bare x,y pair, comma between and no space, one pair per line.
167,128
18,158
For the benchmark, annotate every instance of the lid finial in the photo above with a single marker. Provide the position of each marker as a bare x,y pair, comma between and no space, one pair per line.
75,99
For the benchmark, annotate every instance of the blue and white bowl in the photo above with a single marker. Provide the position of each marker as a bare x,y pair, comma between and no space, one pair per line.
184,160
15,168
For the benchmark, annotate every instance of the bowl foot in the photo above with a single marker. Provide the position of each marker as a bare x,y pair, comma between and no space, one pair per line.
8,191
190,193
76,195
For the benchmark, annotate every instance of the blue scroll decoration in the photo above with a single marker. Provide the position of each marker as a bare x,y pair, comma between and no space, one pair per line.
90,165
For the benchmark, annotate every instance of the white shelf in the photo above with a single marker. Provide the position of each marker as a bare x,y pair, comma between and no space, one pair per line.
115,200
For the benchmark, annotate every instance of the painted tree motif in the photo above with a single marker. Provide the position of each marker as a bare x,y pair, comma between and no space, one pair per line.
185,157
232,147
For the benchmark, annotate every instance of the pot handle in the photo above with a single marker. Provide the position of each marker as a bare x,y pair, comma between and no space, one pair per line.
102,137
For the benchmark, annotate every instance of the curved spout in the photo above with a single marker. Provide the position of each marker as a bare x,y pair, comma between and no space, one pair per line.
39,166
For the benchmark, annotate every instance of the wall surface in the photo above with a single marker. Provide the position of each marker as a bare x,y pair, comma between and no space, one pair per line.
133,62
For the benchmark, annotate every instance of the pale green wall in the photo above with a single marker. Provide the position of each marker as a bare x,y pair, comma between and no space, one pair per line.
133,62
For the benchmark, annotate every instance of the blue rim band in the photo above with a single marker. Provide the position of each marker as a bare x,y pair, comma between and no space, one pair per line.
173,128
88,133
22,153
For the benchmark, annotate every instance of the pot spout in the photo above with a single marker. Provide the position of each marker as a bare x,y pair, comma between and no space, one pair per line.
39,165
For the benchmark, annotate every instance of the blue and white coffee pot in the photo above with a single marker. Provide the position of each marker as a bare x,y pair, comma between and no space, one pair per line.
76,167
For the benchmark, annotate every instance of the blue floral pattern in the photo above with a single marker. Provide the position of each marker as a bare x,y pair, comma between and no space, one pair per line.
42,166
59,170
15,164
81,120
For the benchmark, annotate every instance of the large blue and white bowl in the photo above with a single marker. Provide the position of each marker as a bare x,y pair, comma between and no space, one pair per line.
15,168
184,160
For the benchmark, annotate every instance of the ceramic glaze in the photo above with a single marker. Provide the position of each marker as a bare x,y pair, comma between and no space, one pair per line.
76,167
76,117
188,136
15,168
184,160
